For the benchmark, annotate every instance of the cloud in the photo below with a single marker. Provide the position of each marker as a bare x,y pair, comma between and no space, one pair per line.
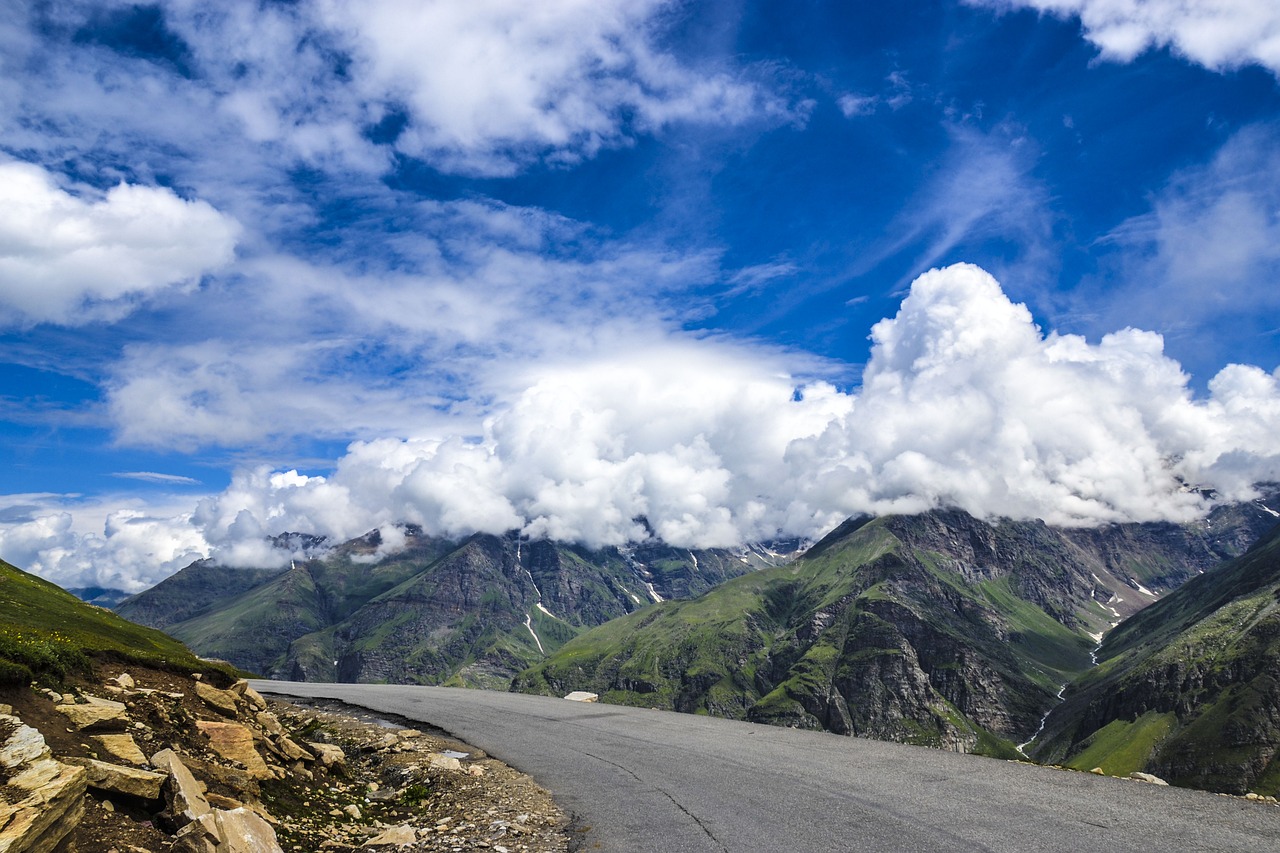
1208,248
480,88
153,477
1218,34
965,402
73,259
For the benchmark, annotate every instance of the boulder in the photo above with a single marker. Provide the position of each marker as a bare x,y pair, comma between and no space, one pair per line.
234,742
328,754
227,831
96,715
118,779
396,836
269,722
254,698
44,799
222,701
443,762
182,791
1148,778
122,747
291,749
125,680
583,696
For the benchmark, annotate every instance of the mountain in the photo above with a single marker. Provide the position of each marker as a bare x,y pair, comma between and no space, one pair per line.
937,629
473,612
1189,689
47,631
99,595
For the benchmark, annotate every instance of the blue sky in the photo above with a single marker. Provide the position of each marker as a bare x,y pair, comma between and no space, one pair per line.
293,266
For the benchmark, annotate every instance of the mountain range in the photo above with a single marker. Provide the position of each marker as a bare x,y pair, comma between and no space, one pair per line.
471,612
1120,646
938,629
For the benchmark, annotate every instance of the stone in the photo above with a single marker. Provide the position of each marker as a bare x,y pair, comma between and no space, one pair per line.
118,779
6,710
443,762
254,698
1148,778
243,831
291,750
352,811
234,742
97,715
122,747
1098,771
198,836
269,722
44,798
328,753
396,836
182,792
583,696
239,687
222,701
125,680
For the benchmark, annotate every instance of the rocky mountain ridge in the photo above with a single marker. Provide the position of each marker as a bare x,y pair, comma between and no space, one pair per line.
939,629
1189,689
473,612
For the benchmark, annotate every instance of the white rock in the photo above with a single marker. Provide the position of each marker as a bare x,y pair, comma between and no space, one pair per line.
583,696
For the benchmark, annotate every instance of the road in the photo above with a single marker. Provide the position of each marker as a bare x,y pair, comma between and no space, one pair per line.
645,780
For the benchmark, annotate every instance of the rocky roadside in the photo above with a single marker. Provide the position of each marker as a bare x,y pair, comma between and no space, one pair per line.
150,761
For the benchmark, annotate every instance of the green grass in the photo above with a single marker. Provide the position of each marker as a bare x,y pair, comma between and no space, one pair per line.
49,633
1121,747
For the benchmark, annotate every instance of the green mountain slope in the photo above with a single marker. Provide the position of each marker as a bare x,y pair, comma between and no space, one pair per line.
47,631
1189,689
937,629
433,611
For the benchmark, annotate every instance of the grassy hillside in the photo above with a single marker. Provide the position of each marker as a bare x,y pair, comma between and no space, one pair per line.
47,632
1189,689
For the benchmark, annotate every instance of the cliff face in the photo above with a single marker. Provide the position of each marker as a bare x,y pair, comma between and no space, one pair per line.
1189,689
938,629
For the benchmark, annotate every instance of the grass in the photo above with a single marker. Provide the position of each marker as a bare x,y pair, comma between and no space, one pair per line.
49,633
1121,747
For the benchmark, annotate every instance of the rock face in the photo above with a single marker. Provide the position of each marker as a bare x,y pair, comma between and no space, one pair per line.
1189,689
938,629
437,611
43,799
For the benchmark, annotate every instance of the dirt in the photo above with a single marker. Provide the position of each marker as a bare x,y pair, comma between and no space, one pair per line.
391,777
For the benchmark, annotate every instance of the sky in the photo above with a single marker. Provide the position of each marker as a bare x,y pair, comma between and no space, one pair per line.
722,271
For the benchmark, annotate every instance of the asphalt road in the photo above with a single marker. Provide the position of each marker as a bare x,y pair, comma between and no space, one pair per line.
645,780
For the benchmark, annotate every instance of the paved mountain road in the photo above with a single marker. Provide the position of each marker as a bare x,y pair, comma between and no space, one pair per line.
657,781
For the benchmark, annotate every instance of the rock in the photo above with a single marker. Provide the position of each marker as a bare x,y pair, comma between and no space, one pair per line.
125,680
396,836
254,698
583,696
118,779
443,762
222,701
328,754
182,792
1098,771
6,710
1147,777
96,715
475,770
122,747
227,831
269,722
409,733
352,811
239,687
44,799
291,750
234,742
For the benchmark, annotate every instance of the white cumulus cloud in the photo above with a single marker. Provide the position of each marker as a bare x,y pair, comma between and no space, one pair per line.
1218,34
964,402
72,259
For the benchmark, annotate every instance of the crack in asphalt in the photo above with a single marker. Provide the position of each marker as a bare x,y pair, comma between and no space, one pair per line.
673,800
